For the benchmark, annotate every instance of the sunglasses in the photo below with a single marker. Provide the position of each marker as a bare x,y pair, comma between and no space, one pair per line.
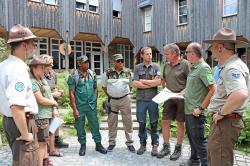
120,61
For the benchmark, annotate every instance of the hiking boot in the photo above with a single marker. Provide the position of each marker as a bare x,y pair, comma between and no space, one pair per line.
177,153
131,148
60,144
110,148
82,150
164,151
141,150
154,151
190,162
100,148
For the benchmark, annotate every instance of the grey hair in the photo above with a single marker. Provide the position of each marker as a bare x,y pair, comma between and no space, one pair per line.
172,48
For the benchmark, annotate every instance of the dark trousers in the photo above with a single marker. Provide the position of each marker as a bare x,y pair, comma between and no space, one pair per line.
143,133
195,129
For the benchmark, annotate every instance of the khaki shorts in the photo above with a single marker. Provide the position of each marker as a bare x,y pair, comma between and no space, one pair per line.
174,110
43,130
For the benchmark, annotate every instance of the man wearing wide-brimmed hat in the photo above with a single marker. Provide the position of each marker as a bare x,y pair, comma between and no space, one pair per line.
18,104
230,99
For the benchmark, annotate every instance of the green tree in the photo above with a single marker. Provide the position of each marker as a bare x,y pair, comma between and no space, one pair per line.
3,49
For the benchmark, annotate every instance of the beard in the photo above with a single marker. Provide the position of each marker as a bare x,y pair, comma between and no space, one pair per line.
31,53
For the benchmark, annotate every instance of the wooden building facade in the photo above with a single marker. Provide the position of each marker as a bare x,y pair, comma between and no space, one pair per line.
100,28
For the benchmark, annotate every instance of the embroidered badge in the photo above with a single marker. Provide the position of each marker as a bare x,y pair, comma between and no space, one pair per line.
236,74
19,86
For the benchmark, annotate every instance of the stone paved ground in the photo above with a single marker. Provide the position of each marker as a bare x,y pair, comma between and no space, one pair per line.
119,157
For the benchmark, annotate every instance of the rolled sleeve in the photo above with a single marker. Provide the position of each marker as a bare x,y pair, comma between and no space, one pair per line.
235,80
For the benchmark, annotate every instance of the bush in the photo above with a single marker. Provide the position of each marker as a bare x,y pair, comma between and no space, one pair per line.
3,50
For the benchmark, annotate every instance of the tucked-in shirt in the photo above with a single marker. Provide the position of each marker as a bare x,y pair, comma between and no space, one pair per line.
234,75
15,86
176,76
118,84
147,73
199,78
44,111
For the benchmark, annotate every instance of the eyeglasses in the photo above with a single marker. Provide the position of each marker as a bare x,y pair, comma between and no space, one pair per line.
120,61
186,52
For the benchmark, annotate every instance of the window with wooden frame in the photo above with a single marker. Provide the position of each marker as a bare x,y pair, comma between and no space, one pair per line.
230,7
117,8
94,6
182,12
81,4
148,19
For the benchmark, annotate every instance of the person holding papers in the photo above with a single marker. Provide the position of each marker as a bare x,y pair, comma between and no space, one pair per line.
146,79
175,74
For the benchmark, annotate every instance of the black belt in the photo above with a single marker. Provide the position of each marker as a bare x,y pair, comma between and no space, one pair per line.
118,98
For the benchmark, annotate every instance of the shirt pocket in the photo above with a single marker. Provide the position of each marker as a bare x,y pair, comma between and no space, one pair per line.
142,74
221,89
80,88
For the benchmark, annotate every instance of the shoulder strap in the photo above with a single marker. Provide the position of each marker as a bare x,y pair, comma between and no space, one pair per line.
76,77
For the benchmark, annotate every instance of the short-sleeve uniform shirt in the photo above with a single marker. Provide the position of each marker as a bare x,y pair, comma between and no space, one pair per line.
147,73
15,86
234,75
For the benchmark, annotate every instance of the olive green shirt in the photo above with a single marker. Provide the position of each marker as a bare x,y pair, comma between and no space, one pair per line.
199,78
234,75
44,111
176,76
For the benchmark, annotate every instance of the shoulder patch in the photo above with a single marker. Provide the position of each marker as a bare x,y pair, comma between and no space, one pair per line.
236,74
19,86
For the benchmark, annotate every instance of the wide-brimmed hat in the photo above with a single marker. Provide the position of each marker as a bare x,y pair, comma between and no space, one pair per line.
20,33
38,60
82,58
117,56
225,35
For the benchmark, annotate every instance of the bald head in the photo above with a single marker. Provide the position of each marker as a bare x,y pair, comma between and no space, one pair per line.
196,48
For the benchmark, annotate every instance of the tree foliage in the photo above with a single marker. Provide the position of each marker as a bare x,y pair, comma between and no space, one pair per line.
3,50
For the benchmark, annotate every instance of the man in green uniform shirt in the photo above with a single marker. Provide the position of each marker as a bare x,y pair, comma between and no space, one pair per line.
83,95
199,90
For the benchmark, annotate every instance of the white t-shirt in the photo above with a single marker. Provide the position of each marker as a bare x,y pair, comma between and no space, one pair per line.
15,86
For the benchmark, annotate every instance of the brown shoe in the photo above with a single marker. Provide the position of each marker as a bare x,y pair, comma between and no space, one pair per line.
154,151
141,150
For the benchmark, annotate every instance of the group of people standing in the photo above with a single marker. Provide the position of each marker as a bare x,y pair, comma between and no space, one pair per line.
28,97
28,100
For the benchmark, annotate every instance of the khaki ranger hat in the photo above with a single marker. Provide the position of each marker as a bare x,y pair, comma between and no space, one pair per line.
117,56
82,58
225,35
38,60
20,33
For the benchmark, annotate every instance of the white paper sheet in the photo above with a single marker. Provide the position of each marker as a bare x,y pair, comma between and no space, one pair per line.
164,95
56,122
